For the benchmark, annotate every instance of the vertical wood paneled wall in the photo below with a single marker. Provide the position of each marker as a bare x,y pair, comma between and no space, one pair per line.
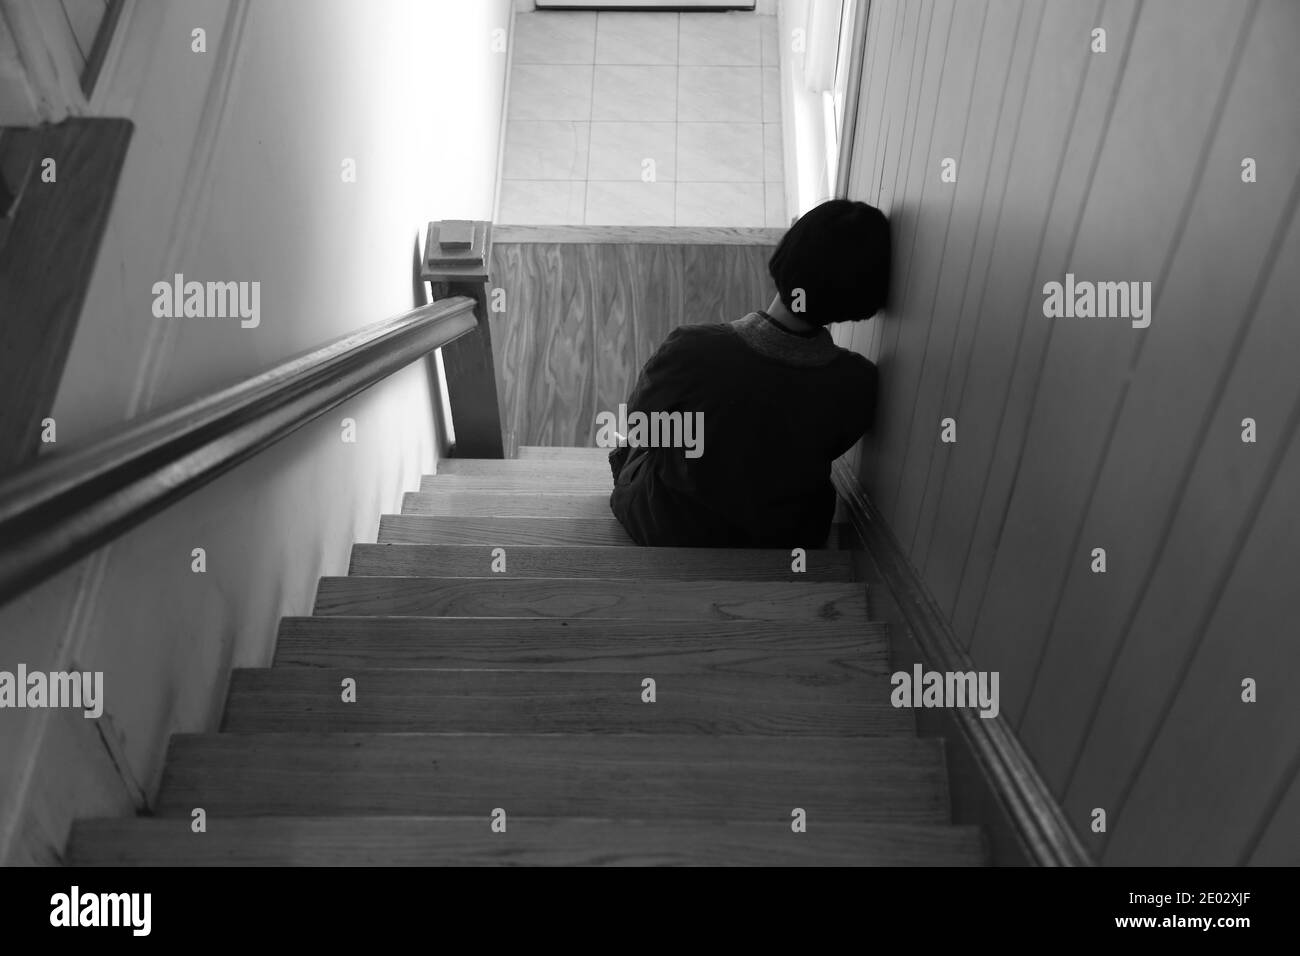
1075,434
586,307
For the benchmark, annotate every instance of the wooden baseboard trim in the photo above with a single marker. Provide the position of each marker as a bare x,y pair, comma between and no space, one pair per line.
993,781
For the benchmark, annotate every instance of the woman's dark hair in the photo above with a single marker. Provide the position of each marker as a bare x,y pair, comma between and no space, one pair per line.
837,253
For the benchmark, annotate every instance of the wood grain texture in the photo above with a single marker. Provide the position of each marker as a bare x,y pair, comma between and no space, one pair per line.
624,275
723,283
562,453
405,700
533,459
525,692
517,483
524,561
578,597
528,841
506,504
546,352
829,652
424,529
582,318
640,235
49,255
571,469
835,779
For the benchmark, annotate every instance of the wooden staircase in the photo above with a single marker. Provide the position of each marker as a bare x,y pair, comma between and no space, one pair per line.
522,691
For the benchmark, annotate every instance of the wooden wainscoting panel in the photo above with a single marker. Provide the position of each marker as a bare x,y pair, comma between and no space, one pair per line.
587,307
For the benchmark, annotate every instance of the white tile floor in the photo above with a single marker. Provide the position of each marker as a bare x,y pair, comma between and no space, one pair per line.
644,119
633,151
637,39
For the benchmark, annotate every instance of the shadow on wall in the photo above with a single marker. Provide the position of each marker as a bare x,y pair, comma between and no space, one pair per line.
239,173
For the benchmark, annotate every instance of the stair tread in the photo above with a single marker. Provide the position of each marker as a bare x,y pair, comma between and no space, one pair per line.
507,504
828,649
500,532
578,468
543,452
533,561
543,482
499,596
523,690
463,841
655,776
523,701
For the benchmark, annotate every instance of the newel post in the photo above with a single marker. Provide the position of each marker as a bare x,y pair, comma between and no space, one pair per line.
456,257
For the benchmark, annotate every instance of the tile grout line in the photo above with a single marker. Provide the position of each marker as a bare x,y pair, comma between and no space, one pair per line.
677,114
591,115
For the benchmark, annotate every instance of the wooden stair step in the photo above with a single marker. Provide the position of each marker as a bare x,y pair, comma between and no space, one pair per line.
519,484
558,453
500,532
551,561
534,504
827,651
574,470
309,699
616,776
586,597
527,841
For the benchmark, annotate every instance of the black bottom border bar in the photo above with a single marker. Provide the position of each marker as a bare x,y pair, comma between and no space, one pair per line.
777,906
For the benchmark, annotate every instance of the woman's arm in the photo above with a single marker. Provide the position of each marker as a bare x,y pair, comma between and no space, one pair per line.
655,388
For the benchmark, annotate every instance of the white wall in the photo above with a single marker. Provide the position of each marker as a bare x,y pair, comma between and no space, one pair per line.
806,148
234,175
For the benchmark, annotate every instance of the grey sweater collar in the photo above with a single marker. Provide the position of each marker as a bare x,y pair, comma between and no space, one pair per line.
767,338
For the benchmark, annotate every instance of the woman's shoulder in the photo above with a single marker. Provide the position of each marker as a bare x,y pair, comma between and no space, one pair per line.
855,362
692,338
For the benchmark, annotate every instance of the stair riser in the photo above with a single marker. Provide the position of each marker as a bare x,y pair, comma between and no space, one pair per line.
668,564
848,780
527,841
630,600
491,654
401,701
550,453
521,505
826,652
501,532
518,484
594,469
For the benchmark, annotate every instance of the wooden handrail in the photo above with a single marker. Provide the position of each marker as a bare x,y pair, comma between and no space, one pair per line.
64,506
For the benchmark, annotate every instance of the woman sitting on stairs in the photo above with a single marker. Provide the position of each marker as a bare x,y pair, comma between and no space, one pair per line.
777,398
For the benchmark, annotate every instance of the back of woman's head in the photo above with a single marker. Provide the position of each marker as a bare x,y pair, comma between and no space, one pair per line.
833,264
